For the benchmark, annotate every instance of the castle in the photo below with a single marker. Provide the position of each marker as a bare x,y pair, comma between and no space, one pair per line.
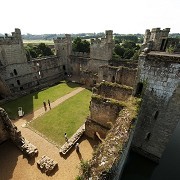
155,78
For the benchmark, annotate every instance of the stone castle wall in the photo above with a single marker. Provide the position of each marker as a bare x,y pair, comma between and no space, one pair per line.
120,75
92,127
3,133
102,48
125,63
104,111
160,84
114,91
24,76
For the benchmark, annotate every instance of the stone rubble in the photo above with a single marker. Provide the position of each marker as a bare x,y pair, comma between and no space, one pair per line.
46,164
72,141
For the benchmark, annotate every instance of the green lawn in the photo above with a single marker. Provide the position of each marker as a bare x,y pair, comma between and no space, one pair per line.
35,100
67,117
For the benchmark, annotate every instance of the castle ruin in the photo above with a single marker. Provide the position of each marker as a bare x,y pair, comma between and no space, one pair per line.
155,78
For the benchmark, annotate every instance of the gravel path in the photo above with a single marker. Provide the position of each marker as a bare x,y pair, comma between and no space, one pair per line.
14,166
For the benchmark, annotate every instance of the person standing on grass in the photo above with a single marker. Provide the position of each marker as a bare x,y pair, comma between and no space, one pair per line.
44,104
65,136
49,103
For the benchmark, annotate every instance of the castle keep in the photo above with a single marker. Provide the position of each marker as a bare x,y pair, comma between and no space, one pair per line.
115,118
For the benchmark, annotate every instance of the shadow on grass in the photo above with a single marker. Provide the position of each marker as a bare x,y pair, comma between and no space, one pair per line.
26,102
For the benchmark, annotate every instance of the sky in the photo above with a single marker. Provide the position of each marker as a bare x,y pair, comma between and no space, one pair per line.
82,16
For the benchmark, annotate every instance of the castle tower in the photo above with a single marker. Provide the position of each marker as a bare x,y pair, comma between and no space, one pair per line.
101,51
147,36
109,36
159,85
157,38
63,48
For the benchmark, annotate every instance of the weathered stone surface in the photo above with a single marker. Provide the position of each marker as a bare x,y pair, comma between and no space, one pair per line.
104,111
28,148
159,115
72,141
120,75
14,134
46,164
113,90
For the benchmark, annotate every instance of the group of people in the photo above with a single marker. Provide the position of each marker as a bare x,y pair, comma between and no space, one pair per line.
44,104
77,144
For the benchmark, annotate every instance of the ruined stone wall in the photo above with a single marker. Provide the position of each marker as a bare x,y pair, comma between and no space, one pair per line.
11,49
125,63
63,48
91,127
109,158
3,133
104,111
157,38
120,75
88,78
126,76
113,90
25,76
102,48
159,79
4,90
93,64
11,54
78,63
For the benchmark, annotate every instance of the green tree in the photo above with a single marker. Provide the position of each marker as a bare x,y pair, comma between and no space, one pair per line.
38,50
119,50
80,46
129,44
44,50
128,54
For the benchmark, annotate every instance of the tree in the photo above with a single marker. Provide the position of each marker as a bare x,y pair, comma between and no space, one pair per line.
80,46
38,50
129,44
128,54
119,50
44,50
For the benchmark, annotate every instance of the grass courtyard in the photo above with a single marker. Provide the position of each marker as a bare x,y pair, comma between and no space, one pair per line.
67,117
34,101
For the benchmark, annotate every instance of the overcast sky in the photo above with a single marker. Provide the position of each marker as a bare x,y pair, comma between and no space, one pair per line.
77,16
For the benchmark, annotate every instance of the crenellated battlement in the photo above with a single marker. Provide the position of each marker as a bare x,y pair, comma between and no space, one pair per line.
156,34
107,39
14,39
62,40
102,48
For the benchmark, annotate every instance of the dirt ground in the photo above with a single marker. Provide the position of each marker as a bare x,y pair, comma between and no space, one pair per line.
13,165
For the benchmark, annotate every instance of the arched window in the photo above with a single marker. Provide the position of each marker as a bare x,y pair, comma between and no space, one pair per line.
18,82
64,67
113,79
15,72
139,89
156,115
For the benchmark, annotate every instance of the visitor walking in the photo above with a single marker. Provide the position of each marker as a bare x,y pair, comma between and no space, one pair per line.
44,104
65,136
77,147
49,103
